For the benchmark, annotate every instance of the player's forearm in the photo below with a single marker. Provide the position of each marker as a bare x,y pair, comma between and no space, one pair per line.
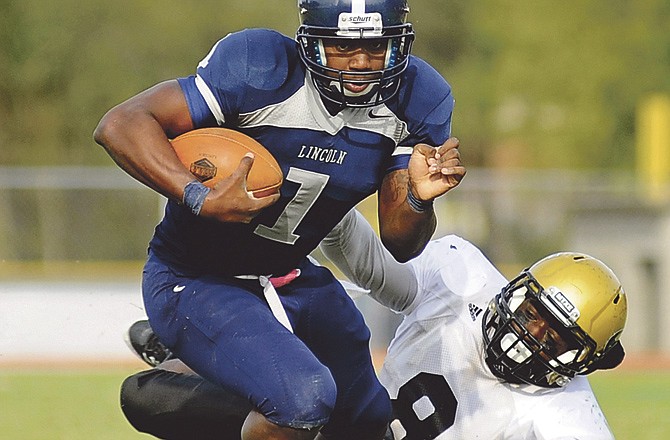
355,249
406,225
408,234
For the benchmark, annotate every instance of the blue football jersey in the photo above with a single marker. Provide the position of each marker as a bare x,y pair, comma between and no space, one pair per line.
253,81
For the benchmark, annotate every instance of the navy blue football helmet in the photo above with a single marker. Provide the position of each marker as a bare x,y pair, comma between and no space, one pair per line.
385,20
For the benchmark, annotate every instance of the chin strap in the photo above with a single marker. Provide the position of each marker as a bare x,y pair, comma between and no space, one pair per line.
611,359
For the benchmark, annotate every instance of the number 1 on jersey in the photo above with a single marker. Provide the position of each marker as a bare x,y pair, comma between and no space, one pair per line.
311,186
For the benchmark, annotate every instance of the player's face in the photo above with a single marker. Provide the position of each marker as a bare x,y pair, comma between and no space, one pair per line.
545,328
357,56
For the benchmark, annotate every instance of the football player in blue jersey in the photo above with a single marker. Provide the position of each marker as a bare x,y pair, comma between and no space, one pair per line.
227,285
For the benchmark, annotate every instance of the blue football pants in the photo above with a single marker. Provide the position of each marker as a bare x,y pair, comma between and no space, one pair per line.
223,329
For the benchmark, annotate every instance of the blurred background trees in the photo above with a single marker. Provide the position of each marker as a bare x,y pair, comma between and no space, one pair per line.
540,84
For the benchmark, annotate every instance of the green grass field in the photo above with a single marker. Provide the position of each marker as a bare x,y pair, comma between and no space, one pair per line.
66,405
636,403
83,405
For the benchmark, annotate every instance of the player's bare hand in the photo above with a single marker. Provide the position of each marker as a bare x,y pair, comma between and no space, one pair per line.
229,200
435,170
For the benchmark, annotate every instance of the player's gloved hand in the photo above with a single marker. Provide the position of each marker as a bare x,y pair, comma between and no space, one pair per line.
229,200
435,170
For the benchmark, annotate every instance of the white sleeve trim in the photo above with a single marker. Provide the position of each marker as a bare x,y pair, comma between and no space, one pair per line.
209,98
402,150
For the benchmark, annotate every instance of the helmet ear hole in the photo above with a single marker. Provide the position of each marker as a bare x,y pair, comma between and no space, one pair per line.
616,299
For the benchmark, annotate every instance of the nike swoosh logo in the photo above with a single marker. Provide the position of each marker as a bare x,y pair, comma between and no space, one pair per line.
178,288
372,115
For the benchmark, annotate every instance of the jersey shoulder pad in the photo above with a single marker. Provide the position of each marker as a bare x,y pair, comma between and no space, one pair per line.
426,103
424,87
261,58
461,269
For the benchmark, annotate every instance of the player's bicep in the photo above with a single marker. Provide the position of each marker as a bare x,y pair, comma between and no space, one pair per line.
166,103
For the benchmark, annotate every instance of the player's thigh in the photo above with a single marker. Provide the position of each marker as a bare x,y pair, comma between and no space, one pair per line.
328,320
224,331
335,330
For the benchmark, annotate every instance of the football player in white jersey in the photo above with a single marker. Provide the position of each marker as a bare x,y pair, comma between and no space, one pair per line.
475,356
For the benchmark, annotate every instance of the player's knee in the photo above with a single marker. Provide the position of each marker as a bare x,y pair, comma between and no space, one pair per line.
178,406
135,407
366,418
375,416
307,402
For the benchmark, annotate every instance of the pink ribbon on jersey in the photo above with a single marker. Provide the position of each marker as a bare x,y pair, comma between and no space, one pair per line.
283,280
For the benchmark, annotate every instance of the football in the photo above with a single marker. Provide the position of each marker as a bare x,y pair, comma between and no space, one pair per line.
212,154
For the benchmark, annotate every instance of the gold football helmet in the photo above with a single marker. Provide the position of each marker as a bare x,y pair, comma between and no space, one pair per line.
561,317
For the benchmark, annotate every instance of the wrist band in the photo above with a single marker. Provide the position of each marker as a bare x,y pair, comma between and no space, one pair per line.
194,196
416,204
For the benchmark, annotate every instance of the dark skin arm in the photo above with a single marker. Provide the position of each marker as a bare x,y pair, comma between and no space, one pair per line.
135,134
431,173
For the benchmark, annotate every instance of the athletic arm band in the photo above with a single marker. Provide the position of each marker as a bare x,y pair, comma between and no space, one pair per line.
194,196
416,204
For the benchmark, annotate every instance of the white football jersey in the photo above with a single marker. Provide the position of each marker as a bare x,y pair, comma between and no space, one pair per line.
434,370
